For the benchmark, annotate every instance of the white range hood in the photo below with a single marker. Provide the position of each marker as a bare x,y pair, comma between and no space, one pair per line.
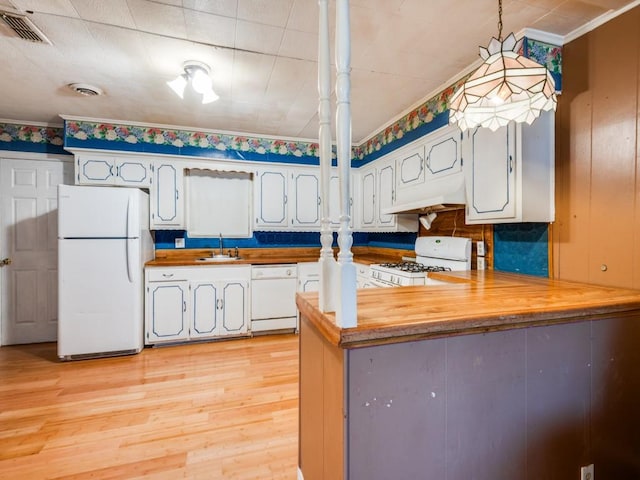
446,193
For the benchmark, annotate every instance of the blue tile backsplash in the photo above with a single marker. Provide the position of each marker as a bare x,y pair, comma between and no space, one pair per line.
521,248
165,239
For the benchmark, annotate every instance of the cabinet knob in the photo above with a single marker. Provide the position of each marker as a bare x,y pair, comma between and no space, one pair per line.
603,267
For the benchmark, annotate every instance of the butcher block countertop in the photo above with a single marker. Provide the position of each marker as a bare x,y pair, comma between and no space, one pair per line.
270,256
471,302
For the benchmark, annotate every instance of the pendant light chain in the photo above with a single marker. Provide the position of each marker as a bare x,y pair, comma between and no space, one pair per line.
500,20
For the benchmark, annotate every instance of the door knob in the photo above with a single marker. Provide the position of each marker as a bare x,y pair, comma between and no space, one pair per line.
5,261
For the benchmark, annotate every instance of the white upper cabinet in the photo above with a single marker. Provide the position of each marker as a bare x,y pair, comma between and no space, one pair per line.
366,200
271,194
167,197
424,161
334,199
109,170
306,206
510,173
386,194
375,192
287,198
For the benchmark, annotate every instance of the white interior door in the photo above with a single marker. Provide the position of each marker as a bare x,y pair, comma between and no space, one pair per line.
29,284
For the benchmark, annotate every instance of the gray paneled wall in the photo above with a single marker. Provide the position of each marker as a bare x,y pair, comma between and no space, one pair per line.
524,404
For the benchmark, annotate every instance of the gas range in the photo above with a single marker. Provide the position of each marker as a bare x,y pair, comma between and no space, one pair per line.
433,254
401,274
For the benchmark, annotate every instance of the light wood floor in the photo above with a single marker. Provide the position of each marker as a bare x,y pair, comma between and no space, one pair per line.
224,410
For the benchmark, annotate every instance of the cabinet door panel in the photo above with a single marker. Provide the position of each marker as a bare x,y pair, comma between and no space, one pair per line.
95,171
167,311
307,199
271,208
443,156
234,308
492,189
309,284
385,195
167,202
133,173
411,169
204,311
368,199
334,203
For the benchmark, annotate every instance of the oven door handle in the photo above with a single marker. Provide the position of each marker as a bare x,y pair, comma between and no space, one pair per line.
379,283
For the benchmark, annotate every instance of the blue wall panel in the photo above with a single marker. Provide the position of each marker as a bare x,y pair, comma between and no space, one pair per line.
521,248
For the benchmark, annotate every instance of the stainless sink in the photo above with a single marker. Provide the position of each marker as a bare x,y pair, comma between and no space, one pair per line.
218,258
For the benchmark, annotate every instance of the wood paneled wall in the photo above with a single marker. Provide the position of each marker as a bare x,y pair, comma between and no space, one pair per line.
596,237
452,223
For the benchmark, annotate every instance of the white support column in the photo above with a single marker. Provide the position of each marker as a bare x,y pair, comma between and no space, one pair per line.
328,265
346,309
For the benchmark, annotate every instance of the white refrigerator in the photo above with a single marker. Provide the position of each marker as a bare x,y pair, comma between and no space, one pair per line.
103,244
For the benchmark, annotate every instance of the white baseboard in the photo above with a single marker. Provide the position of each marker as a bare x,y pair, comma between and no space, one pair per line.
300,476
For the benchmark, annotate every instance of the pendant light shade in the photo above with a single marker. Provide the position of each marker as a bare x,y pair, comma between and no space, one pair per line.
506,87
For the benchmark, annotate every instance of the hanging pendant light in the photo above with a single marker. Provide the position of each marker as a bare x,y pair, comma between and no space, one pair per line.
506,87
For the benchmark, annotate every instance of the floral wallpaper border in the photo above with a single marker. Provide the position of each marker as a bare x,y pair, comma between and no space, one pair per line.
31,138
112,136
77,132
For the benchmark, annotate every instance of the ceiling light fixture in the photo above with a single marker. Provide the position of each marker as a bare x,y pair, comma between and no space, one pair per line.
507,86
86,89
198,74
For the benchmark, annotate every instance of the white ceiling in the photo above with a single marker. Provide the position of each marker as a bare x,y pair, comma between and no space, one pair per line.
263,56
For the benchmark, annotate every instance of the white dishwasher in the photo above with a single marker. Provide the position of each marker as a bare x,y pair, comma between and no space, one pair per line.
273,298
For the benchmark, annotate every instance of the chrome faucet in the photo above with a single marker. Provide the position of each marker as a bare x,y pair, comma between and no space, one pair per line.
221,253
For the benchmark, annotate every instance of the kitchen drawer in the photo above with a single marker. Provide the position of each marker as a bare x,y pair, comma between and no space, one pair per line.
165,274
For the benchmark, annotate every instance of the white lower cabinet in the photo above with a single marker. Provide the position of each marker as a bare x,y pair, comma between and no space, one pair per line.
188,303
362,276
167,311
308,277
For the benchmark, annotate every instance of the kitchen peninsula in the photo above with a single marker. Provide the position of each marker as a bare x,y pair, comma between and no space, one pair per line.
493,376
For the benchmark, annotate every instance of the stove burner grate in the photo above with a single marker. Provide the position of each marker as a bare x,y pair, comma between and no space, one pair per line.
414,267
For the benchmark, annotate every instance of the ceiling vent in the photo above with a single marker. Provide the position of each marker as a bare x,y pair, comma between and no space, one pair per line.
85,89
24,28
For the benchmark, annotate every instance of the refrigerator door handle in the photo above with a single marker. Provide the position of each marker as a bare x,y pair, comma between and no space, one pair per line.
132,253
132,209
131,268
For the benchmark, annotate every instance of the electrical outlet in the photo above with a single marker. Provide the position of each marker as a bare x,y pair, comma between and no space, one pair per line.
586,473
481,263
480,248
179,242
